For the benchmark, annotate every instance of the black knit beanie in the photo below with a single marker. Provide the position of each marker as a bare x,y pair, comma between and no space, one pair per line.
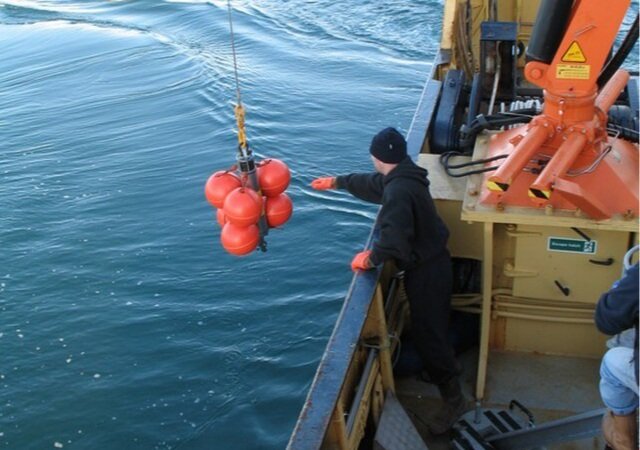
389,146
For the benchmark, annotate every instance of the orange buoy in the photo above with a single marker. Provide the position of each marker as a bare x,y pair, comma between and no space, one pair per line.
278,210
219,185
273,177
243,207
239,240
221,217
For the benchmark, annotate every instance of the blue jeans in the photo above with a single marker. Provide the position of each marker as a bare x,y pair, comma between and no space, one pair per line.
618,386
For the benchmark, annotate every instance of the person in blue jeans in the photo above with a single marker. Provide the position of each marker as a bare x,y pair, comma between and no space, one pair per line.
617,312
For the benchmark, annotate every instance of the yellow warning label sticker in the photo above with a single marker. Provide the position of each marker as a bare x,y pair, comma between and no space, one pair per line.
574,54
573,71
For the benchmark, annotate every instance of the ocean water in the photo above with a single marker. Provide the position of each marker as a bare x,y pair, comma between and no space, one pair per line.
123,323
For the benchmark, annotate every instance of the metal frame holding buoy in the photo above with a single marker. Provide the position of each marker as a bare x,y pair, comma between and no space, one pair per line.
250,196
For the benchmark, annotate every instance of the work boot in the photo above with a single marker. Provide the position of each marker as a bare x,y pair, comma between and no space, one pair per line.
620,431
454,406
424,373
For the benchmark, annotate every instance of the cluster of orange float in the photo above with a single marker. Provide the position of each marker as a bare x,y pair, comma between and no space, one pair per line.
241,208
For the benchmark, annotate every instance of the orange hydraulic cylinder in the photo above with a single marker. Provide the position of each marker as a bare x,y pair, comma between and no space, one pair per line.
518,159
611,91
591,31
557,166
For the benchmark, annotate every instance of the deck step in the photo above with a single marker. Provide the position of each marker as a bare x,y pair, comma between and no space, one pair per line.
475,427
396,431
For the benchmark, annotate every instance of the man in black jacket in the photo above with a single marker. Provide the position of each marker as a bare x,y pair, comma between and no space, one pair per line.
413,235
617,311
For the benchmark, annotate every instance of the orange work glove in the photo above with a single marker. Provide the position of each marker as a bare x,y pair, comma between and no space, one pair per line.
323,184
361,261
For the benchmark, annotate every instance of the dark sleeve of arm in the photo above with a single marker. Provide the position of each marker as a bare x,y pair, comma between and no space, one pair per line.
396,231
365,186
617,309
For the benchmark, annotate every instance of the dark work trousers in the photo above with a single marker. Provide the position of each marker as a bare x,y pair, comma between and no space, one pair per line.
428,288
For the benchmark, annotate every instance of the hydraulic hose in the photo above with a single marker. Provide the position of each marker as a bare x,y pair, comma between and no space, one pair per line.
625,48
469,132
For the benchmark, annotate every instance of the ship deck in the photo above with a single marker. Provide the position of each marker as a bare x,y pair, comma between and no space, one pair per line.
551,387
